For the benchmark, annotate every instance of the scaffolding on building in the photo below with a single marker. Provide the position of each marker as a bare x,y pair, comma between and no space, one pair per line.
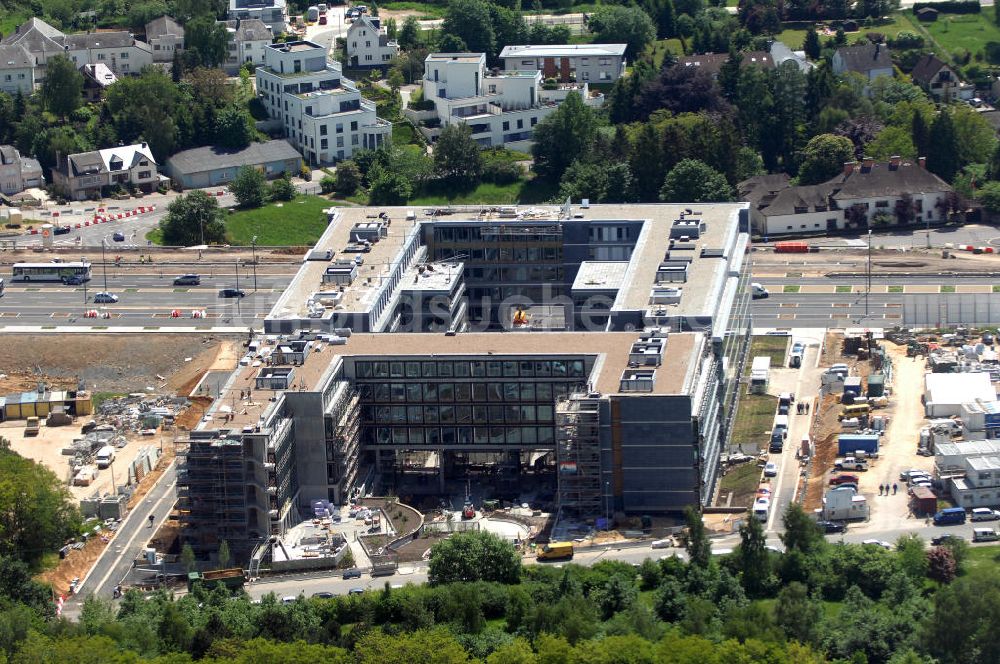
212,492
578,454
343,451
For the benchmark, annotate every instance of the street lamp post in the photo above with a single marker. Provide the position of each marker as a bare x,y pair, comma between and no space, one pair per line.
253,249
868,290
84,260
238,298
104,263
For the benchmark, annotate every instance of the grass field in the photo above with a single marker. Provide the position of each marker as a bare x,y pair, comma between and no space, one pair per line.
752,424
963,31
982,559
772,346
299,222
794,38
742,481
526,191
424,8
10,21
658,50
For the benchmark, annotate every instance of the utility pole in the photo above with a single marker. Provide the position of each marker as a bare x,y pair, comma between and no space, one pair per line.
85,280
868,290
253,248
104,263
238,298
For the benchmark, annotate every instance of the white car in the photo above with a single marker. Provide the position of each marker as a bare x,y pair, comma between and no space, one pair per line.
882,543
105,298
663,543
770,469
985,514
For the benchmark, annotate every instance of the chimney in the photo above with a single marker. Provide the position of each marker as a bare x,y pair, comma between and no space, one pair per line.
867,163
878,48
922,161
849,167
894,161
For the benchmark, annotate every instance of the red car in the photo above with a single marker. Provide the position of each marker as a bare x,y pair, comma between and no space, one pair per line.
843,479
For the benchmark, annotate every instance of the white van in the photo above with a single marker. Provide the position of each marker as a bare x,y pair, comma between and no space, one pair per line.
985,535
105,456
758,292
979,513
761,509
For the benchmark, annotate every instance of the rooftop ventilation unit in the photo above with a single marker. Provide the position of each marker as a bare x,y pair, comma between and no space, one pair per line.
666,295
637,380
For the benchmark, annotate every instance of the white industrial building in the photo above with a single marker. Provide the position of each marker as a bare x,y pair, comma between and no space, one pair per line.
980,487
501,108
844,505
321,112
368,45
950,458
945,393
980,420
593,63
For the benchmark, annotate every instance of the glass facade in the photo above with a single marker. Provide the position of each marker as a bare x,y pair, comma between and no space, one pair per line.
509,402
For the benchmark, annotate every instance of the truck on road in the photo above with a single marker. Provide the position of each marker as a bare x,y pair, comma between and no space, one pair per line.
556,551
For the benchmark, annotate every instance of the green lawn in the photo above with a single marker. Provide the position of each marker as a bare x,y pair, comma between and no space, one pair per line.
659,48
425,9
742,481
524,192
791,289
982,559
773,346
794,38
10,21
752,424
298,222
947,289
403,133
963,31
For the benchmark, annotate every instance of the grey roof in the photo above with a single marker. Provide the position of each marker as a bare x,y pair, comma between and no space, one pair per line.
757,188
36,36
164,25
15,56
203,159
8,154
878,180
253,29
927,67
712,62
112,39
862,58
85,163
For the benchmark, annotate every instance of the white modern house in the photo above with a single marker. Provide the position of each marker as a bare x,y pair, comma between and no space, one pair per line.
272,12
904,191
501,107
368,45
17,70
166,37
593,63
321,113
18,173
120,51
247,40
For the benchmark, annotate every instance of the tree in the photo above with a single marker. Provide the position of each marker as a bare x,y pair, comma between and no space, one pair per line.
250,187
193,219
811,45
961,627
474,556
62,90
698,546
147,106
989,195
754,559
234,128
388,186
348,178
456,155
912,556
188,559
694,181
36,516
891,142
680,90
282,189
802,533
942,147
224,556
824,157
469,21
207,41
974,134
563,137
391,28
797,614
599,180
409,34
618,24
941,565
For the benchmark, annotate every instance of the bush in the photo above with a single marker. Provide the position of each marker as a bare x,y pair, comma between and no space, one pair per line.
502,172
906,40
282,189
348,178
951,6
327,184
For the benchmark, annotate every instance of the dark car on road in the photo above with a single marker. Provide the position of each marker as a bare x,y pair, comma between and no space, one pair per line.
105,298
945,539
232,292
118,237
833,526
61,230
187,280
353,573
73,280
324,595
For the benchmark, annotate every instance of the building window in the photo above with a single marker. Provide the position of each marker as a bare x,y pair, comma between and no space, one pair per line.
340,141
354,139
340,128
534,121
586,75
520,124
506,125
881,204
323,144
322,130
354,126
144,175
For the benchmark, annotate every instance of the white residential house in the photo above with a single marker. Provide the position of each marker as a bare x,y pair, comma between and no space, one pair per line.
84,175
166,37
500,108
905,191
18,173
120,51
593,63
272,12
368,45
248,39
321,112
17,70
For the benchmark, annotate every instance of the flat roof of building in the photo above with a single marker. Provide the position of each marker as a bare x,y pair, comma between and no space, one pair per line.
455,57
438,277
600,275
246,404
562,50
984,463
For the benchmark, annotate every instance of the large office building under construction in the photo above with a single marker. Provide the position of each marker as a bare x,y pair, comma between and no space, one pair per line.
591,352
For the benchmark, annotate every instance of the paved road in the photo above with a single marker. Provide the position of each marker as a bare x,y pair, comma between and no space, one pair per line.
975,234
131,538
148,297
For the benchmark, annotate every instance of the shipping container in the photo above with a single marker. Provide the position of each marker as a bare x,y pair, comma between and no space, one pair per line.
791,248
848,444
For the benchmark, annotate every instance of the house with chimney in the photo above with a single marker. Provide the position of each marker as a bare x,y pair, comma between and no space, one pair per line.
368,45
868,60
88,174
18,173
248,37
166,37
863,195
940,80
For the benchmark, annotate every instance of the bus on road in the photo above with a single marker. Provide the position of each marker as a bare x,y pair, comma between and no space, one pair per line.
65,272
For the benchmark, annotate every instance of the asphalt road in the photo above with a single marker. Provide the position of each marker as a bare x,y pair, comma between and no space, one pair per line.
974,234
147,296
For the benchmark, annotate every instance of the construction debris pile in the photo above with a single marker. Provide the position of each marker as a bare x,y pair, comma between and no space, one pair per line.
140,413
